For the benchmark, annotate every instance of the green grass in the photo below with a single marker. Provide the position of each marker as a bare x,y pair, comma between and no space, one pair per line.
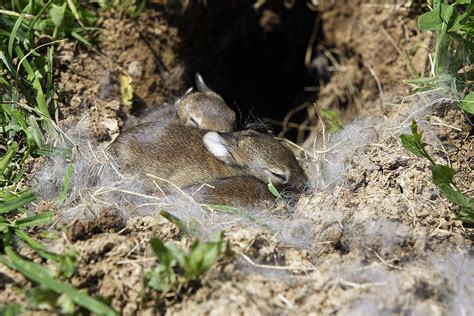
51,285
453,26
181,268
29,31
443,176
50,282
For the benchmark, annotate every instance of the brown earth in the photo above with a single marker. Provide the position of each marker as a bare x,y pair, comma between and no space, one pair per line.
375,236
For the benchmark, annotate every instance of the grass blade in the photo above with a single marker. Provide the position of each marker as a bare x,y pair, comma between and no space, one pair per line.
40,98
43,276
182,226
7,158
66,184
18,201
65,263
81,39
35,132
273,190
38,219
33,243
36,19
11,310
74,12
12,38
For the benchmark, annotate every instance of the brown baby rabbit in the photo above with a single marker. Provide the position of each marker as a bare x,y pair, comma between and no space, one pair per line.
204,109
187,155
237,191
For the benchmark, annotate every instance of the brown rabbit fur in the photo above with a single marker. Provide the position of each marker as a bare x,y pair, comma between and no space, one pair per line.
186,155
204,109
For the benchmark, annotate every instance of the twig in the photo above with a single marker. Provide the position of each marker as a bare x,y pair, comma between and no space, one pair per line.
377,81
13,13
265,266
312,39
362,285
385,262
441,123
107,190
174,185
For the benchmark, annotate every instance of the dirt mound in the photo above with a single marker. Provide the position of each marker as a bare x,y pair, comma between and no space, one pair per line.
144,49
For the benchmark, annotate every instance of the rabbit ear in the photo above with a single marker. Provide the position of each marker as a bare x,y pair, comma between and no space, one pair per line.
181,98
218,147
200,84
188,92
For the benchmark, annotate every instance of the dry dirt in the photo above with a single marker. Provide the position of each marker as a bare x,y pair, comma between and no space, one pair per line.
374,238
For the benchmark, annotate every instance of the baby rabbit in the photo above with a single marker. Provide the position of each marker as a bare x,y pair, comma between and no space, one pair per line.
187,155
237,191
204,109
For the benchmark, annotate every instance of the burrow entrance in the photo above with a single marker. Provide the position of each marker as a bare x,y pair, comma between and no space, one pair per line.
254,56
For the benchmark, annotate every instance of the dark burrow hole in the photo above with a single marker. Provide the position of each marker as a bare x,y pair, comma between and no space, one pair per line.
254,58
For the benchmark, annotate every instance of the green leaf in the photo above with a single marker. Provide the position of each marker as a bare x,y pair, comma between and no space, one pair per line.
459,21
203,255
414,144
66,184
332,119
447,12
33,243
434,20
49,235
182,226
467,103
414,131
199,259
442,175
467,216
74,11
411,145
40,98
430,21
443,15
457,197
272,189
163,277
57,13
165,256
43,276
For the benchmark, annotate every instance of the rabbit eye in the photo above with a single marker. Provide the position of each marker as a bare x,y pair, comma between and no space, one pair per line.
194,122
281,176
